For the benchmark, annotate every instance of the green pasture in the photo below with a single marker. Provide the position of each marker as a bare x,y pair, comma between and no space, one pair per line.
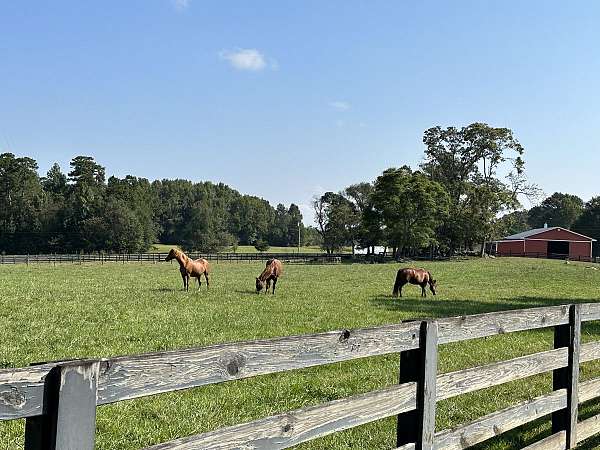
91,310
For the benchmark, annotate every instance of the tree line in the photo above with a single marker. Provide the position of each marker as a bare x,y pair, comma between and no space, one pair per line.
82,211
465,193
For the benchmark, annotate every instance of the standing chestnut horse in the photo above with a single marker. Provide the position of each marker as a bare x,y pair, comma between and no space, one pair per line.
414,276
189,268
273,270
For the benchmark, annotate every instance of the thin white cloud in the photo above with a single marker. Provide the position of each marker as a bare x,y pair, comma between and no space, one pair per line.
340,105
181,5
340,123
248,59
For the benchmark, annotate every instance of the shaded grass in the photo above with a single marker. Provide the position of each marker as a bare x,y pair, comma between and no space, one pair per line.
69,311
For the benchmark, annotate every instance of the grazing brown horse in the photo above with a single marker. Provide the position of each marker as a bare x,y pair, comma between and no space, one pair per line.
414,276
273,270
190,268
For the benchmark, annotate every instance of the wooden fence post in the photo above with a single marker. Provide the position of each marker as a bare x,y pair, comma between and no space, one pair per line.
568,377
420,365
69,419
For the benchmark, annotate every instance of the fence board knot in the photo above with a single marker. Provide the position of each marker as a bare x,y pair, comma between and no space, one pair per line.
236,364
13,397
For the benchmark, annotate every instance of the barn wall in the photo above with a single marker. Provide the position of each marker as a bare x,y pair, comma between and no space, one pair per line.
536,247
580,250
506,248
560,235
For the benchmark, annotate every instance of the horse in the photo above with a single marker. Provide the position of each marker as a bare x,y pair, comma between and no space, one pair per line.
190,268
414,276
273,270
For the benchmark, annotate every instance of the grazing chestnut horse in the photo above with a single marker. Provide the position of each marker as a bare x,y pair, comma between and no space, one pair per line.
273,270
189,268
414,276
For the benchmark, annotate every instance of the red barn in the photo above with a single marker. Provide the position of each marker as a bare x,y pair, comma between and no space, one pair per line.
552,242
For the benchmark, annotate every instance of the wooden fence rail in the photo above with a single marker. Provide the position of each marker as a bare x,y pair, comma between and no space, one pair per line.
79,258
59,399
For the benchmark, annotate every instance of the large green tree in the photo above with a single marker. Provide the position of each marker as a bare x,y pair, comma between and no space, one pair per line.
21,204
511,223
411,207
588,222
367,230
482,169
558,210
336,218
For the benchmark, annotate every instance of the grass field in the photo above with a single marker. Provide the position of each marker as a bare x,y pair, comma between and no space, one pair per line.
68,311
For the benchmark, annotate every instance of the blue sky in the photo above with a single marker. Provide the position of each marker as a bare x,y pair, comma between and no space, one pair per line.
286,99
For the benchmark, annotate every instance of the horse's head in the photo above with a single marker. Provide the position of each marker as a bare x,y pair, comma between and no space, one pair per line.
432,285
172,254
259,285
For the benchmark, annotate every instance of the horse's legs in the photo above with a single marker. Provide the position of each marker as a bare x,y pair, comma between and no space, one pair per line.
268,285
206,276
274,283
183,278
400,289
199,282
423,291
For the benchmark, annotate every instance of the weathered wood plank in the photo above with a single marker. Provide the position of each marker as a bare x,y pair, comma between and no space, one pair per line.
590,351
266,433
76,408
553,442
496,423
476,378
461,328
590,311
569,337
588,427
427,392
500,422
69,419
589,390
130,377
22,391
420,366
294,427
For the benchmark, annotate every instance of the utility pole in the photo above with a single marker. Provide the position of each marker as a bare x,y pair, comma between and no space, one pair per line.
298,237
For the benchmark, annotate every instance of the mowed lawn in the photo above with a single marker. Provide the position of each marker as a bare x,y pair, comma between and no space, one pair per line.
91,310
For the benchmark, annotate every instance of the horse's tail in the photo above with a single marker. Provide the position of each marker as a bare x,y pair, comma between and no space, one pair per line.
397,284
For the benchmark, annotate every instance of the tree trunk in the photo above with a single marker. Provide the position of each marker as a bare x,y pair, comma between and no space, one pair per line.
483,248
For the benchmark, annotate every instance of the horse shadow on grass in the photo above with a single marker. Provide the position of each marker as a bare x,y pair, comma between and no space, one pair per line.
163,289
438,307
246,292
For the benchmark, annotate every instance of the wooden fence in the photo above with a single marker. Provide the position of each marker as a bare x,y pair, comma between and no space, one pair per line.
543,255
59,399
79,258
